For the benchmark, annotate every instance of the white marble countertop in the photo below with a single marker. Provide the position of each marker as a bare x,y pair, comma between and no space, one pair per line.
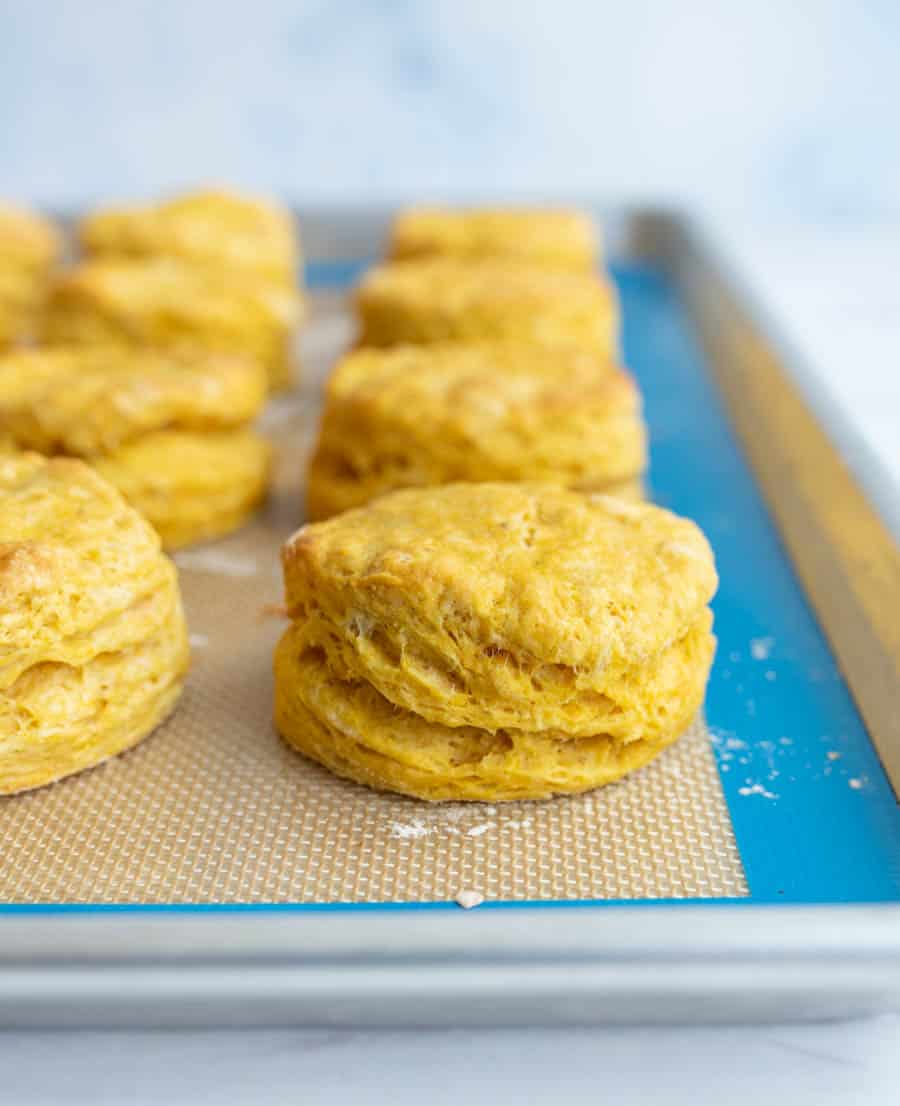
836,297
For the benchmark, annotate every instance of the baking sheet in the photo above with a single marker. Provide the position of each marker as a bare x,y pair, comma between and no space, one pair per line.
213,808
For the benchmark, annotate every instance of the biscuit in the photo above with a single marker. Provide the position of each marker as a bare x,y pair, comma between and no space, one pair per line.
172,306
493,641
555,238
93,644
192,487
440,299
206,227
29,248
415,416
169,432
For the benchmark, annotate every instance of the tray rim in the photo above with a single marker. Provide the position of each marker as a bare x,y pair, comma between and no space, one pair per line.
165,965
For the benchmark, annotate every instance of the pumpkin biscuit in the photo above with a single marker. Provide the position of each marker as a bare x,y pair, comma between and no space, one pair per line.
492,641
414,416
171,433
212,227
93,644
557,239
441,299
172,306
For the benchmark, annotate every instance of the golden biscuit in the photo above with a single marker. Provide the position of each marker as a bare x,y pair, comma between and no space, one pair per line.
555,238
493,641
441,299
29,248
192,487
172,306
207,227
93,645
413,416
170,432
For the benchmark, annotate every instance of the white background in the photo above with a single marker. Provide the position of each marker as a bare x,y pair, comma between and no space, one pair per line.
773,107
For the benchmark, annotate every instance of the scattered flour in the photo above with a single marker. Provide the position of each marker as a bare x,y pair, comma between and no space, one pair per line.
757,789
409,830
198,641
761,648
469,899
856,783
477,831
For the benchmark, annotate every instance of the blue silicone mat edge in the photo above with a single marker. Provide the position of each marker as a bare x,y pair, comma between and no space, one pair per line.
813,813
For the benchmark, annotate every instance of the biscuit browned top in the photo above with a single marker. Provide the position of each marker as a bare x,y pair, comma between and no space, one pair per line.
429,586
564,239
208,226
90,400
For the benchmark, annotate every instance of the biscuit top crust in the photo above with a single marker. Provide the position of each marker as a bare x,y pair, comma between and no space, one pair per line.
529,571
90,400
27,242
134,294
209,226
552,237
498,285
74,557
478,384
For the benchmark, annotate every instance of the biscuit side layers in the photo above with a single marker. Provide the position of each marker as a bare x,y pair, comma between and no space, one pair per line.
542,236
168,305
87,401
415,416
93,644
497,605
445,300
347,726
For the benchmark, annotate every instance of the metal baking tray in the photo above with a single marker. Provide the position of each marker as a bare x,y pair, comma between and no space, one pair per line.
214,877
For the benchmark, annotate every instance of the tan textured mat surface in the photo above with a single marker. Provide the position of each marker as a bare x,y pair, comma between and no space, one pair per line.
213,808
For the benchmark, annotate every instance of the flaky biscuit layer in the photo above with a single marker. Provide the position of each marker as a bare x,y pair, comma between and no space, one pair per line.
75,561
87,400
412,416
436,300
349,727
499,605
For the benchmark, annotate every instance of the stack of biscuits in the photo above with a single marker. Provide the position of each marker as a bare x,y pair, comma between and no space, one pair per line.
493,641
29,249
489,612
209,271
93,646
488,350
172,433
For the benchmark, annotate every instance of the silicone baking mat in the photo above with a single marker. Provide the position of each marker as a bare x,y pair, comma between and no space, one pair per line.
781,797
